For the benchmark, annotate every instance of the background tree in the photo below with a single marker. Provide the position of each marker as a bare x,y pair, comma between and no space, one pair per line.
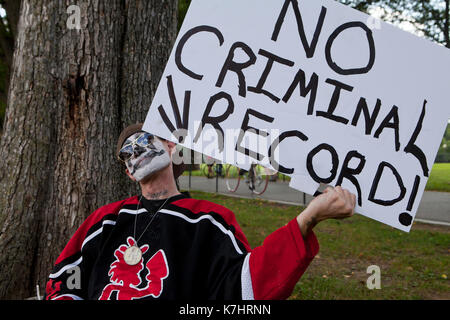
429,17
183,6
71,93
443,154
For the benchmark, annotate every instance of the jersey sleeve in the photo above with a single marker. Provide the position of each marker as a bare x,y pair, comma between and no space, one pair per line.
70,275
67,281
276,266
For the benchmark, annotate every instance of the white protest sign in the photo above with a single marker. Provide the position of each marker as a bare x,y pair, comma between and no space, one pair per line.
313,90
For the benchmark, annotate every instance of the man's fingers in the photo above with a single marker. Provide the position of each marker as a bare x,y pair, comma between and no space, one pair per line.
346,194
349,200
350,197
345,199
353,200
339,190
328,189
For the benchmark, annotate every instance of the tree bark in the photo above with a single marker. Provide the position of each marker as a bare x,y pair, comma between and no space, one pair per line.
73,91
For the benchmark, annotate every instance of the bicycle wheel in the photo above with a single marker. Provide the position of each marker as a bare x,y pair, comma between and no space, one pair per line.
208,171
232,178
261,180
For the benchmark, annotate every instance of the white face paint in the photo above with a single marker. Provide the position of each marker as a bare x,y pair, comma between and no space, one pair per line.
146,160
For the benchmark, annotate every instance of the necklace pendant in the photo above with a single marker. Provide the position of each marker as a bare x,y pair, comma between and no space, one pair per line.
132,255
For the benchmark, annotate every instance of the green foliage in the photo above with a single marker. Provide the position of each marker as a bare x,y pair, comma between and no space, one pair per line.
443,154
429,17
183,6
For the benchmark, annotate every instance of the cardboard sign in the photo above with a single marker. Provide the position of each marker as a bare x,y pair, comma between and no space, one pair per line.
313,89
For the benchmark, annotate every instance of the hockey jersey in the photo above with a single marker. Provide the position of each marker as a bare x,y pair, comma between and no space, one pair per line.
193,249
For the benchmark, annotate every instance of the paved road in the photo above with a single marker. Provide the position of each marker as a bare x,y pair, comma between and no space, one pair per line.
434,206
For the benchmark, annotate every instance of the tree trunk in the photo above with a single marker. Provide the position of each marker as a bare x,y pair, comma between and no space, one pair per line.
73,91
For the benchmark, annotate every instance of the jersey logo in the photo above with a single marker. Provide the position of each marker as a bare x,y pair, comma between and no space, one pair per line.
126,280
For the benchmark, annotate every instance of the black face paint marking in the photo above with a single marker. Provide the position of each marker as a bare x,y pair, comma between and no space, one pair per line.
150,156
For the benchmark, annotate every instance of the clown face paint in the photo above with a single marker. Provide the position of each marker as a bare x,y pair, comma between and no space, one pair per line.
146,160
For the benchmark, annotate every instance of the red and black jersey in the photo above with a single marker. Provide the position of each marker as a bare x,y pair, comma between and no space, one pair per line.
193,249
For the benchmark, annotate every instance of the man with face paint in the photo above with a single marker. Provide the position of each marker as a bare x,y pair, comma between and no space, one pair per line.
163,244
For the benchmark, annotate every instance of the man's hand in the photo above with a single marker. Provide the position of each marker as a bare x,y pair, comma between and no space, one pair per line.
333,203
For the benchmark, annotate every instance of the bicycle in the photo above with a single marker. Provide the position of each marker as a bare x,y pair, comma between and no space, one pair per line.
257,178
210,169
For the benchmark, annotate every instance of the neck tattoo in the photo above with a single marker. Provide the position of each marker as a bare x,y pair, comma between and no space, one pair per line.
156,195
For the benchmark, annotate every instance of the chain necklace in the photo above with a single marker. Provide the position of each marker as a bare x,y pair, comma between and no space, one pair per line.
133,254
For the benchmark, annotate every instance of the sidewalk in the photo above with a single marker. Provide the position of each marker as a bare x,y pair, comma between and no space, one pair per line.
434,207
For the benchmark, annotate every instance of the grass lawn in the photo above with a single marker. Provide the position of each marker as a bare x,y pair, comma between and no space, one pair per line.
439,178
413,265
